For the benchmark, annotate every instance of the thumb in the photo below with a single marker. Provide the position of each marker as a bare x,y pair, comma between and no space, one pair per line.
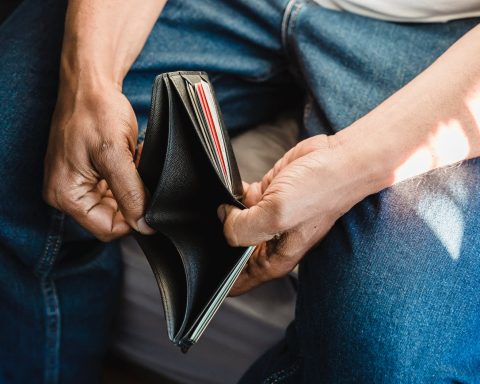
245,227
253,194
127,187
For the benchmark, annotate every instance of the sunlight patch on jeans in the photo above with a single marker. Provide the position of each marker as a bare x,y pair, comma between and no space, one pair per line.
445,219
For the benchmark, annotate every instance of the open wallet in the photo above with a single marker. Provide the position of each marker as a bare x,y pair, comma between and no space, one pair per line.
188,166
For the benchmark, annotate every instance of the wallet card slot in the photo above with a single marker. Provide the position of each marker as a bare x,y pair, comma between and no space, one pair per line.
210,263
170,276
237,189
178,79
190,246
154,147
180,86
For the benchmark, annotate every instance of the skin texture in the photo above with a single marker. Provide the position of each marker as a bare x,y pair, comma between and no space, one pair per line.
425,125
89,168
90,174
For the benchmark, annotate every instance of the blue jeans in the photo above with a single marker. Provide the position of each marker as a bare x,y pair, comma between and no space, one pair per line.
391,295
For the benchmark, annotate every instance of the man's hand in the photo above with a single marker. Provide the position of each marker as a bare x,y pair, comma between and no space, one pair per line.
291,209
433,121
89,168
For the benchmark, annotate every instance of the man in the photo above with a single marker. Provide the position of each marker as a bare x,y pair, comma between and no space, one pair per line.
390,294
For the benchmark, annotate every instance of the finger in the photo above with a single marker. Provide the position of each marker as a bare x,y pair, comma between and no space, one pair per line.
118,169
243,284
138,154
98,195
96,213
88,202
248,280
252,195
103,222
245,227
269,261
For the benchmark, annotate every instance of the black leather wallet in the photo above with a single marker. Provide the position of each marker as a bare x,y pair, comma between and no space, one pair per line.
188,165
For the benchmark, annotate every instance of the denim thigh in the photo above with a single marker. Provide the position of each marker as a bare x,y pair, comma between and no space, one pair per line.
391,295
58,285
238,43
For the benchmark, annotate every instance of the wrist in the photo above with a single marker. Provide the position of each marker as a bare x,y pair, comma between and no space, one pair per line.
80,71
369,168
90,61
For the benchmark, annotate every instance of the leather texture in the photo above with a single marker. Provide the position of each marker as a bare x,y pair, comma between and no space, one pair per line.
188,255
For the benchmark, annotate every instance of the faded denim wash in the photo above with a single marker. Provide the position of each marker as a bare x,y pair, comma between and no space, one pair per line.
390,296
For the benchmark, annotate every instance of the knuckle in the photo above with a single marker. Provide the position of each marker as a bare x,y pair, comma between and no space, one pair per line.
282,259
104,233
131,200
104,153
230,231
48,195
53,196
108,233
48,188
263,264
105,236
230,235
108,155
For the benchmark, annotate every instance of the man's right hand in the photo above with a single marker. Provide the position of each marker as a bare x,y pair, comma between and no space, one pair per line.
89,169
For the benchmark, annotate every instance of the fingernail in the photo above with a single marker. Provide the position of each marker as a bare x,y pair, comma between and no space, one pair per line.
143,227
222,213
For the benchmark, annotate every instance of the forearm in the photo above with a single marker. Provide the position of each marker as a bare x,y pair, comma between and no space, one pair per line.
89,171
433,121
103,38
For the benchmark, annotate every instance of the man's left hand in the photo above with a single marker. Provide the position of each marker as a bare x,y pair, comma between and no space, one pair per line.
291,209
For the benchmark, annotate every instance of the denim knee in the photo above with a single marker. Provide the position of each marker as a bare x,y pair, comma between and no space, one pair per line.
391,294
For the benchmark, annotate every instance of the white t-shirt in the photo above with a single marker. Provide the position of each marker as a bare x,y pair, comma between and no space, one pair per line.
423,11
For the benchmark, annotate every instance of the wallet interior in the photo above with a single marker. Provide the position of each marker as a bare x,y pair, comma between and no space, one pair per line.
189,255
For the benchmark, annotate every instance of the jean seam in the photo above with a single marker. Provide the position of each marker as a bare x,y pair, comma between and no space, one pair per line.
285,21
52,331
52,245
288,23
50,297
283,374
